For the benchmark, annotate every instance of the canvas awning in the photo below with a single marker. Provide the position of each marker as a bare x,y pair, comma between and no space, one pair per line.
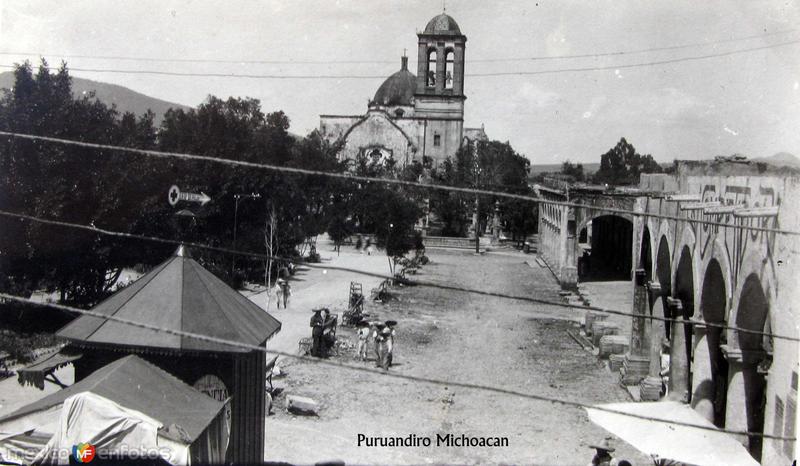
35,374
129,393
670,441
178,295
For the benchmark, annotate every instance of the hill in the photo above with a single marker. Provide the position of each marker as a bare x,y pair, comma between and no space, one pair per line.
781,159
125,99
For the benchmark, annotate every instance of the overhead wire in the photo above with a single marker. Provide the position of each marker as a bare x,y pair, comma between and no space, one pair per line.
365,76
405,281
392,374
395,181
366,61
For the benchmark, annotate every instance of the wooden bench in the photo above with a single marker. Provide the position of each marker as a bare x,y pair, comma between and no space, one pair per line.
270,368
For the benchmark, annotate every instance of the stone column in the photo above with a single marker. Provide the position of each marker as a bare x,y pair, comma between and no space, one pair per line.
568,270
650,387
440,67
703,389
678,354
735,408
496,221
637,362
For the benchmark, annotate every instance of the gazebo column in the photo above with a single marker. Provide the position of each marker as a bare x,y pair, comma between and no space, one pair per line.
637,362
679,356
650,387
702,374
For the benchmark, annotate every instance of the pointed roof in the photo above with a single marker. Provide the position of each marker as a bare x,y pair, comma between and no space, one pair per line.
137,384
178,295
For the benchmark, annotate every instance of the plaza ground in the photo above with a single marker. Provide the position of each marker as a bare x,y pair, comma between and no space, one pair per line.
448,335
443,334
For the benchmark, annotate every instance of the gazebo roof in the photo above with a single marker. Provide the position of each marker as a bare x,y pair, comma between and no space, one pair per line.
178,295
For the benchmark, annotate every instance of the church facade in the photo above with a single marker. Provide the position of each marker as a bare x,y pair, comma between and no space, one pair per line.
413,118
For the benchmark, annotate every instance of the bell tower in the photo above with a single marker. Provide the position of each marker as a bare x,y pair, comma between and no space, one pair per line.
439,93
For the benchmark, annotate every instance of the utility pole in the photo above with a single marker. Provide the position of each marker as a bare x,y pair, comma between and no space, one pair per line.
237,198
477,201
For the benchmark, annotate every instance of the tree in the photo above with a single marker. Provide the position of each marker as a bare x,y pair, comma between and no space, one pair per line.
69,183
575,171
622,165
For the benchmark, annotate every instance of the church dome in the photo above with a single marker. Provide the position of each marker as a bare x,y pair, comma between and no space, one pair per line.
398,89
443,25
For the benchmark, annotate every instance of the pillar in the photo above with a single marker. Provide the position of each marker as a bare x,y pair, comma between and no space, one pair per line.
567,270
650,387
496,221
735,411
637,362
678,354
703,388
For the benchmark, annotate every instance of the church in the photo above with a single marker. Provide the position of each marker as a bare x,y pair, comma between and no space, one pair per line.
413,118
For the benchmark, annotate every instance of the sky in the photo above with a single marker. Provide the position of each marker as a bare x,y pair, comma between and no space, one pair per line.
746,103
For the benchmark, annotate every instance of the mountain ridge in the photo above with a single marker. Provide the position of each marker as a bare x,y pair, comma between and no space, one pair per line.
125,99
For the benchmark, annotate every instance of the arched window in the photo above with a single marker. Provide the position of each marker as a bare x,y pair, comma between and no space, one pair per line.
448,69
431,72
399,112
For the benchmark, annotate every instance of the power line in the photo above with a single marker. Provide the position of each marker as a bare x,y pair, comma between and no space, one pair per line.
352,177
341,365
355,62
409,282
636,65
354,76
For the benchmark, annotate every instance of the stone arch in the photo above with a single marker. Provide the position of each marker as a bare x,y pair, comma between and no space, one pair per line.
688,242
681,336
752,313
611,246
710,373
719,254
664,265
646,253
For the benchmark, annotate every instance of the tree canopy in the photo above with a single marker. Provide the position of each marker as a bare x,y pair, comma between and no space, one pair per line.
622,165
127,193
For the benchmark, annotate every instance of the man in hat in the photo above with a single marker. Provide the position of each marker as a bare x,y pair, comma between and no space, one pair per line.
603,456
317,327
389,342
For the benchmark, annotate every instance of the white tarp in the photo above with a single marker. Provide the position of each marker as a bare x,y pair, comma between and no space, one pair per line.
87,418
680,443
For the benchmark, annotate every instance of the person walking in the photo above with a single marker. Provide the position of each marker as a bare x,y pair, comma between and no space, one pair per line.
317,326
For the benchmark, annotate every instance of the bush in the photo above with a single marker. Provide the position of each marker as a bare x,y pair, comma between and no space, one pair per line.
21,346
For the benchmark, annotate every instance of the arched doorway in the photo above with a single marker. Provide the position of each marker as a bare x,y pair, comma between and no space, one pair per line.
645,256
608,256
681,330
659,330
752,314
710,366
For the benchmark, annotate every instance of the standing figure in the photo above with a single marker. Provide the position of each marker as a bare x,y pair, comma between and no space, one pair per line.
363,336
389,342
317,325
378,339
386,348
602,455
328,332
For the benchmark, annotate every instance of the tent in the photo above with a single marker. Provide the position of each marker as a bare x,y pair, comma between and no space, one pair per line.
681,443
127,409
